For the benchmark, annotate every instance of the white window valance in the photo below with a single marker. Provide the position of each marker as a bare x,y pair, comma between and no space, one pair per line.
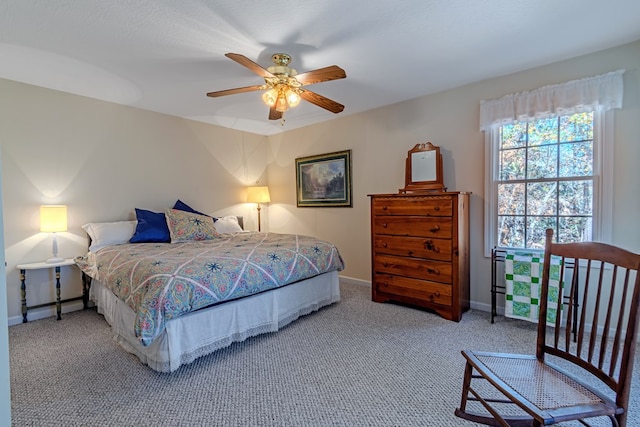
600,92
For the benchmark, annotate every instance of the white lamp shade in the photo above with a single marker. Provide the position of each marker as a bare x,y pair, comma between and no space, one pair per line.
258,195
53,218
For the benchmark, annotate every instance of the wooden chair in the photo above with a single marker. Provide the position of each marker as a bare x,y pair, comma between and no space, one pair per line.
568,379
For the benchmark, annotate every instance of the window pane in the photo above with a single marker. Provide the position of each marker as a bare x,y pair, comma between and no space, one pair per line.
536,230
511,231
576,159
512,164
576,197
542,198
511,199
543,132
542,162
543,182
513,136
575,230
578,127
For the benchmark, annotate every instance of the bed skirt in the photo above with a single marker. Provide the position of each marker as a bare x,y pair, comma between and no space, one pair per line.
204,331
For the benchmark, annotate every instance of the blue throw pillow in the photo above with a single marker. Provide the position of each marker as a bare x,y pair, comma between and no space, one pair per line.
182,206
151,228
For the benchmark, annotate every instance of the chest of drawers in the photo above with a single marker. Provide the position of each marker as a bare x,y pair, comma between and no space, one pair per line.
420,250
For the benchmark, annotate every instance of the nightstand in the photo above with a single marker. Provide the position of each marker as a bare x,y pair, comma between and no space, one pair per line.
40,266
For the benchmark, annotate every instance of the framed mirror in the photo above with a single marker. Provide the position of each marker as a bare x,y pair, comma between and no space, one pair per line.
424,169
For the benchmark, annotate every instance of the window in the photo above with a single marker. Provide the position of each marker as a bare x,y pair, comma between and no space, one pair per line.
549,163
545,180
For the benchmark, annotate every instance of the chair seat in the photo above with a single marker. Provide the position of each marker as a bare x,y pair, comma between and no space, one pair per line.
543,390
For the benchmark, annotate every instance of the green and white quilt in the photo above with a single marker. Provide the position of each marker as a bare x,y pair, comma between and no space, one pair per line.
523,277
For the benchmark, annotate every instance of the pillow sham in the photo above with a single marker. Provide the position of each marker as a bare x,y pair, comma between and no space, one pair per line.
228,224
109,233
151,228
187,226
182,206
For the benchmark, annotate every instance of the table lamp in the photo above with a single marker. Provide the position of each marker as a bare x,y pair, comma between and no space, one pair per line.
258,195
53,219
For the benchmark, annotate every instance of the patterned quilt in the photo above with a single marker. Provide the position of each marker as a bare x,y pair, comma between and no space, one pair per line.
162,281
523,279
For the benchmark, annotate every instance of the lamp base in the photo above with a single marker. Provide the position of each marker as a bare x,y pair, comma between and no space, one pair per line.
54,260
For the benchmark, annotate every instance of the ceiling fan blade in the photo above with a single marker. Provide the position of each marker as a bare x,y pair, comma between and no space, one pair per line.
236,90
332,72
321,101
273,114
243,60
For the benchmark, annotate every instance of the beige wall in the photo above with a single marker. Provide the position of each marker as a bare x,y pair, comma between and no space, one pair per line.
103,160
381,138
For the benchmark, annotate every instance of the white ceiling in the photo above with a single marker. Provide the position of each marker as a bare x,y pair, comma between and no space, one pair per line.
164,55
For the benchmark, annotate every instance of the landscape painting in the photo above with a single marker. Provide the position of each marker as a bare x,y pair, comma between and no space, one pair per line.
324,180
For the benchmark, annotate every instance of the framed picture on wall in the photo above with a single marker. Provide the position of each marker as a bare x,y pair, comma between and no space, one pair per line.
324,180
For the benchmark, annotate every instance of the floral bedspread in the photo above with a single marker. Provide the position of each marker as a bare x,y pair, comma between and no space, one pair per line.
161,281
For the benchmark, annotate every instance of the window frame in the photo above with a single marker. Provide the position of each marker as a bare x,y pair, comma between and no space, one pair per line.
602,179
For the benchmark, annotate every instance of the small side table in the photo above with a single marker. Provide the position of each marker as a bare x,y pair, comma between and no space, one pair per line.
39,266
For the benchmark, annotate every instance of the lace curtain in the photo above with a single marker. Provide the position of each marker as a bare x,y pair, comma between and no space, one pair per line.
600,92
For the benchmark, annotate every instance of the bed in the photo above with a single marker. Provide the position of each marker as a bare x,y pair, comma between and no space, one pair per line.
169,303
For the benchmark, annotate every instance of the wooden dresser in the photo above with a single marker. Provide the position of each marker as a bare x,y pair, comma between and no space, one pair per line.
420,250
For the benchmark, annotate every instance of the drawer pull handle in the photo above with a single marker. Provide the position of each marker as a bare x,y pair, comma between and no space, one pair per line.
384,225
435,228
433,270
384,244
434,295
384,208
429,246
436,208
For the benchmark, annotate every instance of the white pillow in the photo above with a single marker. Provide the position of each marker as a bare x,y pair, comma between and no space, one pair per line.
227,224
109,233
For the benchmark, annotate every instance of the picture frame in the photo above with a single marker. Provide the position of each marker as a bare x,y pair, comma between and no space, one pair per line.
324,180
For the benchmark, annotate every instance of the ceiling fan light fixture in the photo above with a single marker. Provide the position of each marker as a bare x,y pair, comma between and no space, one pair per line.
283,85
281,103
293,99
270,97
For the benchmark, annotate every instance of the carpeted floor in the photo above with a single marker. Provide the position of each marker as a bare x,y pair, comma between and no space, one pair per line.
356,363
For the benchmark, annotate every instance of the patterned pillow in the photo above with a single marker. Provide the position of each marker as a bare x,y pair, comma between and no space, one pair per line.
185,226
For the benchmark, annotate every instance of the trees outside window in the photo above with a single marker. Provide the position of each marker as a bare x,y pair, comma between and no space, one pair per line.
545,179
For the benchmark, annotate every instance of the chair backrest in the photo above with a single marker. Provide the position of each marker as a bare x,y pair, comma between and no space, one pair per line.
598,327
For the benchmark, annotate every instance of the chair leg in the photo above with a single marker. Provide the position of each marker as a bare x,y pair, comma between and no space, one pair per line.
468,371
495,419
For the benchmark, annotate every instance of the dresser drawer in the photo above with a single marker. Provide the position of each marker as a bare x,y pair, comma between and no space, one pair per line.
410,267
425,290
416,247
436,206
413,226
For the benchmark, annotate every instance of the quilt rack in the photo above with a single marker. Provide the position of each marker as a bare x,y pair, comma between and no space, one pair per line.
499,255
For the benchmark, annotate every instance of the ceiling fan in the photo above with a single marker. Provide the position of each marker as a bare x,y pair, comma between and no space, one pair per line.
284,86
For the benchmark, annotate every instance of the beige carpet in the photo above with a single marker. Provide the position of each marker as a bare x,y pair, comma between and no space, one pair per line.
356,363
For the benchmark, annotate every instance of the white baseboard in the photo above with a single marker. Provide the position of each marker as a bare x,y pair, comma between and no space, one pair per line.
354,281
44,312
480,306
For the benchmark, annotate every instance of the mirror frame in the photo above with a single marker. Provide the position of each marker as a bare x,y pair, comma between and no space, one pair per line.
432,168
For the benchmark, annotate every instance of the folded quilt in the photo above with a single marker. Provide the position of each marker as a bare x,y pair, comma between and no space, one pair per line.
523,279
161,281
